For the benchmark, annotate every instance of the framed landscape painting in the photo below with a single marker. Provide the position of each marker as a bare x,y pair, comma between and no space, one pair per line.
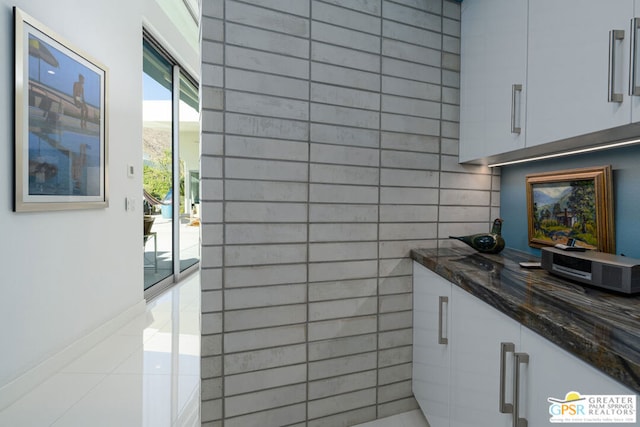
60,122
572,204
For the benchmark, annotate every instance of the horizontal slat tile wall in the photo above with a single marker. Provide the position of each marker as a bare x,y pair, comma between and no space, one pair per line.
469,196
212,210
266,150
343,203
329,150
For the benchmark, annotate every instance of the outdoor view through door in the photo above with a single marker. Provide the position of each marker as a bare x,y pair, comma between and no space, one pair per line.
189,148
171,169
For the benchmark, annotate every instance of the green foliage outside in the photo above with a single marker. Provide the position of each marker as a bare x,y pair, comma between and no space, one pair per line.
157,178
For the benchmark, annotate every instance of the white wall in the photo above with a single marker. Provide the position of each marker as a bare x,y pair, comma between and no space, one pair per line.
66,273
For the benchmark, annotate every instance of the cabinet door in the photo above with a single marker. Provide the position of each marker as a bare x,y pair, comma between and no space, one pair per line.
431,358
477,330
553,372
568,68
635,67
493,59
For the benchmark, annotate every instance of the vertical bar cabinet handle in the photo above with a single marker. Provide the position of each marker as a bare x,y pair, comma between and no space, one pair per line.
505,347
613,36
634,90
441,338
514,88
519,359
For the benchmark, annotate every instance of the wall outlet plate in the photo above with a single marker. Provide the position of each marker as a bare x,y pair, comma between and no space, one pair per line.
129,204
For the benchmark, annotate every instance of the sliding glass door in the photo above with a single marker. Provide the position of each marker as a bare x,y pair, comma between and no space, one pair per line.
189,164
171,171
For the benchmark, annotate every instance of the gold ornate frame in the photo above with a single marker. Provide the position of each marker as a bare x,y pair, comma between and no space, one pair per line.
597,192
61,143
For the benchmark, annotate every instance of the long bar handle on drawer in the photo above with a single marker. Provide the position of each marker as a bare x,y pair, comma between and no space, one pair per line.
441,338
613,36
505,347
634,89
514,89
519,359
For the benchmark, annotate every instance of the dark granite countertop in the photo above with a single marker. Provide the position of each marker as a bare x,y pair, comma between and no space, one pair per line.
602,328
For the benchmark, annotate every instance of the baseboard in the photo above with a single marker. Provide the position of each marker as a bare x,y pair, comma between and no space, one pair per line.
20,386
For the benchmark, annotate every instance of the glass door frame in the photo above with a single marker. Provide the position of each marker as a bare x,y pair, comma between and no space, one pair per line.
175,149
178,72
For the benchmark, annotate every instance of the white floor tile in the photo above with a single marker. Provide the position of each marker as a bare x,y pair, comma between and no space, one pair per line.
145,374
413,418
116,401
160,363
133,400
48,402
107,355
138,324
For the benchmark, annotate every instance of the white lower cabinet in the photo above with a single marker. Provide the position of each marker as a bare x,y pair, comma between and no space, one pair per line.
469,359
477,332
553,372
431,355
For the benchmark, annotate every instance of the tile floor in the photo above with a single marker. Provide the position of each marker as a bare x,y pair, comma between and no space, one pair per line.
408,419
147,374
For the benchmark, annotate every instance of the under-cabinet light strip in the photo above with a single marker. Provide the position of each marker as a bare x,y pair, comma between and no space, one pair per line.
567,153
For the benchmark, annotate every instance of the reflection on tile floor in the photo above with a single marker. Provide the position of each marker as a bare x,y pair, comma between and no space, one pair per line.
408,419
145,374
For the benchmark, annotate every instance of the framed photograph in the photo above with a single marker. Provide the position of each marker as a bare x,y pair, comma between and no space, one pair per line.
60,122
571,204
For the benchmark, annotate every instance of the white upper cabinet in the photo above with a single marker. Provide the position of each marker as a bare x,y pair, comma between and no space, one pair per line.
634,74
575,57
576,62
492,79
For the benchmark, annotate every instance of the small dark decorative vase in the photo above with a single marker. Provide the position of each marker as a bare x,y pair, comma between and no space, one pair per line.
490,243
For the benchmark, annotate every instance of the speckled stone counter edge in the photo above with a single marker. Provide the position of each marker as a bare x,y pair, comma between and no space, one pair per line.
581,321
